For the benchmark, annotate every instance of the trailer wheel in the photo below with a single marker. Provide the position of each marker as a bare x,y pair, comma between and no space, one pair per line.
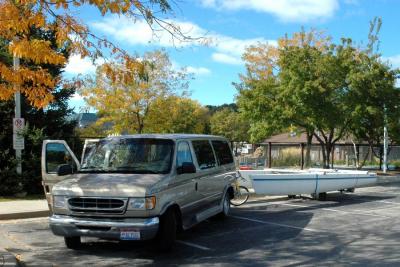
291,196
321,196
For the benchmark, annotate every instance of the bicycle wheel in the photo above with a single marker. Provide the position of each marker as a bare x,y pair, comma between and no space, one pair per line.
241,196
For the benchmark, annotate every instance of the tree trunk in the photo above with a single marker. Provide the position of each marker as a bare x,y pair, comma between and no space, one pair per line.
364,160
323,148
308,150
380,157
328,150
356,154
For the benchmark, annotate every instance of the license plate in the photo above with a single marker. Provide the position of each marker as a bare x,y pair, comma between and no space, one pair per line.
129,234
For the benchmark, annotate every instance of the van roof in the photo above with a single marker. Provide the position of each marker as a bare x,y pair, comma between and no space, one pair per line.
168,136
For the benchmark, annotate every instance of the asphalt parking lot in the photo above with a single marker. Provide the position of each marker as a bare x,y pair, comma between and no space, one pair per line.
348,229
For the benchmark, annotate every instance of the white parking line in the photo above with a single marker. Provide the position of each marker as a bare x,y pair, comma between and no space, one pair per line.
276,224
251,205
356,212
192,245
28,220
377,192
389,202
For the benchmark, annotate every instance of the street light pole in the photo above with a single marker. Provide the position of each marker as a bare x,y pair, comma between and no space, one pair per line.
17,97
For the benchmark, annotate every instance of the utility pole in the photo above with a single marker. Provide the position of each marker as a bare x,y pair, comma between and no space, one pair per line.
16,136
385,141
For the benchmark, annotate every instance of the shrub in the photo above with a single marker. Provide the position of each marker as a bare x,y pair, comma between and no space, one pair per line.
287,157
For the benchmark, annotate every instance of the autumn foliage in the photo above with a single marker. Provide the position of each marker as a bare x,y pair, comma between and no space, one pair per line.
18,18
126,95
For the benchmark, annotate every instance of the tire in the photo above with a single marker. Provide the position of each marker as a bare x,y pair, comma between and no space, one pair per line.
350,190
226,207
73,242
321,196
239,198
166,235
291,196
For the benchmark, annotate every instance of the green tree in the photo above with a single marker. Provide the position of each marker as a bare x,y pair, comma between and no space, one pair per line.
314,83
176,114
212,109
230,124
317,87
373,86
262,99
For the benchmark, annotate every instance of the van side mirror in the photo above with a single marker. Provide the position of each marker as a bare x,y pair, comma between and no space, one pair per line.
64,169
187,167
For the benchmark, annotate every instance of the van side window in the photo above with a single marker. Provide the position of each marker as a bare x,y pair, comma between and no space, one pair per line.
183,154
223,152
204,154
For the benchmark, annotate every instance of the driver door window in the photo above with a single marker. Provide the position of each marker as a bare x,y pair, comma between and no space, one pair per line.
57,154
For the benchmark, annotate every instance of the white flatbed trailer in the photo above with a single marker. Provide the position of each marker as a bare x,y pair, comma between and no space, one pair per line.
311,181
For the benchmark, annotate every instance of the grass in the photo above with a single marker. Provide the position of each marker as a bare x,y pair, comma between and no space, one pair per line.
29,197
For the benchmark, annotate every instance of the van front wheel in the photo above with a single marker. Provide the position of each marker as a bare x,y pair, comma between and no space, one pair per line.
73,242
166,235
226,207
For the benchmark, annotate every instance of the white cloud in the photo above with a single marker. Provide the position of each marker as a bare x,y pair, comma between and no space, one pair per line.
230,50
77,65
285,10
139,33
198,71
227,59
393,60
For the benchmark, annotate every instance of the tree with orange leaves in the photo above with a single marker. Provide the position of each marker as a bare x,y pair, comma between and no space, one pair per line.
126,95
19,17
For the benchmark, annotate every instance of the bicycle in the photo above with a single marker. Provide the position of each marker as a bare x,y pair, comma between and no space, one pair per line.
241,193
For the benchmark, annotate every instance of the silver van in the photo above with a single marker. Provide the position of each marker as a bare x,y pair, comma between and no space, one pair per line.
136,187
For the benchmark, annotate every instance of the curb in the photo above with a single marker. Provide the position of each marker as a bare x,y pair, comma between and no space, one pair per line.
24,215
7,259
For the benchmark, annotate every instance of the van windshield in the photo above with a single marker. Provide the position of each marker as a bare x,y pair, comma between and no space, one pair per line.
130,155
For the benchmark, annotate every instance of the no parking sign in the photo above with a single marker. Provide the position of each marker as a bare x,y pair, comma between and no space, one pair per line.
18,140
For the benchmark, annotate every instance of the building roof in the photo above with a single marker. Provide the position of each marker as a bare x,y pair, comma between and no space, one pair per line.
298,138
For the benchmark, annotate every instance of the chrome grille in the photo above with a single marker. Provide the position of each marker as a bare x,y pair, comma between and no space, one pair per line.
97,205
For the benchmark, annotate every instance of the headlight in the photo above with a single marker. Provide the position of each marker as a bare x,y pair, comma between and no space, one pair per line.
145,203
60,202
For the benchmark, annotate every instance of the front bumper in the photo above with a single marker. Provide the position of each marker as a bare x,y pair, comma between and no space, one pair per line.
103,228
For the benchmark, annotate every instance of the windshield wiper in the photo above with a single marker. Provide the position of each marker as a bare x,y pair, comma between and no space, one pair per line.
119,170
131,169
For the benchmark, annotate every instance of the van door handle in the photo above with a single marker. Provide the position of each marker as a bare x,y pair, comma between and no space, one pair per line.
195,186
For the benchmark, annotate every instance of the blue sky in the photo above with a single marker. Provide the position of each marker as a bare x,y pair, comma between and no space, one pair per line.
233,25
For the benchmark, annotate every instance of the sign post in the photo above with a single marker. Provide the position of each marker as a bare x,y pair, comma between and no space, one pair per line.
17,142
385,141
18,139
